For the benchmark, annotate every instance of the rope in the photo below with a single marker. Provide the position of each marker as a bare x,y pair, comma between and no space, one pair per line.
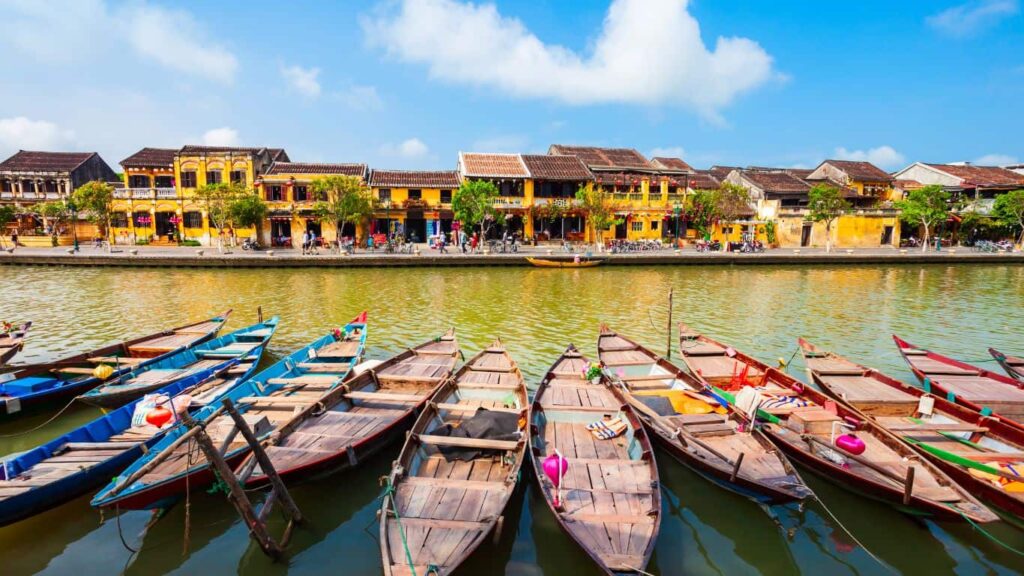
854,538
389,492
117,518
988,534
187,537
52,418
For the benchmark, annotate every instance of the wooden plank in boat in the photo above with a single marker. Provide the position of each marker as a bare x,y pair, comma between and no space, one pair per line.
482,443
304,380
610,518
116,360
933,366
385,397
465,408
342,349
325,366
487,386
721,367
697,348
992,456
271,400
860,388
444,524
947,427
73,370
834,366
101,445
451,483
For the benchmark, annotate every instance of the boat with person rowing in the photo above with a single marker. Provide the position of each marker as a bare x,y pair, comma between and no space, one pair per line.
1014,365
965,384
699,430
458,468
176,464
12,340
984,455
828,437
34,387
595,465
246,344
552,263
85,458
358,418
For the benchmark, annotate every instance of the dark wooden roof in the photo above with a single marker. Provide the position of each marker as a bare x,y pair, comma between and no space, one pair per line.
317,168
777,182
561,168
150,157
982,176
414,179
704,180
606,158
671,163
721,172
861,171
28,161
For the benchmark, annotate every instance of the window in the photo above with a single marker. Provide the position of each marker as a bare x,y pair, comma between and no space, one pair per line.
7,186
654,225
415,194
300,193
214,176
138,181
238,176
193,219
142,219
188,179
275,194
637,226
446,196
384,195
118,220
726,230
165,181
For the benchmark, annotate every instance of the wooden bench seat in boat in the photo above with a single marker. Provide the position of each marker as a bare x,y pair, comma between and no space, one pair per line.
979,456
467,408
481,443
117,360
702,349
325,366
948,427
304,380
385,397
73,370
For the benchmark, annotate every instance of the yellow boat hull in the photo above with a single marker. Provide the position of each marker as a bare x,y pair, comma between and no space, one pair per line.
542,263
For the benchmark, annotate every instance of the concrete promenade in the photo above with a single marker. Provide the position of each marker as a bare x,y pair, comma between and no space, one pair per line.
150,256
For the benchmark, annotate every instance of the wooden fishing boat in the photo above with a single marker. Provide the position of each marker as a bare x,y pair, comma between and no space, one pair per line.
1014,365
981,453
448,490
976,388
37,386
84,459
175,464
701,432
609,499
247,344
12,342
359,418
552,263
813,430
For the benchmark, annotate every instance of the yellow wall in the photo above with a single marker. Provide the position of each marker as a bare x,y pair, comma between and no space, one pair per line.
849,231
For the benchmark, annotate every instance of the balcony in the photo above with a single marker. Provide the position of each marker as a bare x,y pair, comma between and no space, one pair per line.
142,193
166,193
507,202
563,202
29,195
122,193
53,195
5,195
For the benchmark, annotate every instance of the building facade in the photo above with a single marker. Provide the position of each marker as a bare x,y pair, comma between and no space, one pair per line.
414,203
288,190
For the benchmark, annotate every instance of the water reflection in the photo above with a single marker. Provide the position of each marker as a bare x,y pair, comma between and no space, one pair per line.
705,530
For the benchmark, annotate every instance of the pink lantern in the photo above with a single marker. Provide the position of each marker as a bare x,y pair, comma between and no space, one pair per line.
851,444
555,467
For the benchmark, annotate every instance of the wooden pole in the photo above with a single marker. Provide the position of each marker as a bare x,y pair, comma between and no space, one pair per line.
259,314
736,468
668,337
908,486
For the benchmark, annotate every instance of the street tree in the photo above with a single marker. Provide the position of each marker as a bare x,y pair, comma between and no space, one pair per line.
598,209
826,204
93,199
342,200
1009,209
218,199
473,205
7,215
926,207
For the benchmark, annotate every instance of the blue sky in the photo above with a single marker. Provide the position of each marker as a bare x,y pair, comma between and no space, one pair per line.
409,83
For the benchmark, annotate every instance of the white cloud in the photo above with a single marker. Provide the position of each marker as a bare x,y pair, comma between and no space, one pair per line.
996,160
302,80
669,152
411,148
883,156
223,136
972,17
361,98
648,52
20,133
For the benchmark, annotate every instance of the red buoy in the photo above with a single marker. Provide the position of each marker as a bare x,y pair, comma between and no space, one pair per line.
159,416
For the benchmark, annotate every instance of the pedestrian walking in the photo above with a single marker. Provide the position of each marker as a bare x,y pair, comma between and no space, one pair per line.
473,243
305,242
463,239
312,243
441,242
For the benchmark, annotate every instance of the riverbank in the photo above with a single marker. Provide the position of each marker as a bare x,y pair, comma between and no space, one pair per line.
146,256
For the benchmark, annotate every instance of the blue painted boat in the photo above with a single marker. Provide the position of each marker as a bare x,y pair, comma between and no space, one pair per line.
82,460
12,341
246,344
35,387
159,477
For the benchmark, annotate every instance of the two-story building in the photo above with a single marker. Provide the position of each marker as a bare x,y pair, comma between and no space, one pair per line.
976,186
149,183
414,203
551,190
287,187
873,185
28,178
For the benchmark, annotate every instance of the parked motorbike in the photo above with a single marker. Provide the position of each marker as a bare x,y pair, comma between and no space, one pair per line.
251,244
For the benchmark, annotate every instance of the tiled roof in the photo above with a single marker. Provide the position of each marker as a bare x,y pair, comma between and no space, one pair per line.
861,171
704,180
982,176
414,179
721,172
26,161
777,182
150,157
596,158
671,163
801,173
278,155
194,149
561,168
480,165
309,168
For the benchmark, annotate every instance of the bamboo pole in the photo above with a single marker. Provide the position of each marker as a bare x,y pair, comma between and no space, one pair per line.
668,336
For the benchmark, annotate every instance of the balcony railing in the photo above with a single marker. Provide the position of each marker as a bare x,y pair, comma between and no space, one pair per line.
166,193
53,195
507,202
6,195
29,195
142,193
122,193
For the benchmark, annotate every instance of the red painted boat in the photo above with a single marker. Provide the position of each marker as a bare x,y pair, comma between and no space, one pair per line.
1014,365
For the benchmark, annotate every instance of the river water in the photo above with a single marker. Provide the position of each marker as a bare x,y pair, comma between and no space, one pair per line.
705,530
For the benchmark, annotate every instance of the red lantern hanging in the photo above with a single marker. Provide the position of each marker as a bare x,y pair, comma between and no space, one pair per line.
159,416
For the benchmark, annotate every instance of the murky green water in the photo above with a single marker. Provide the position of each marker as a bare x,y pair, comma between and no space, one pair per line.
705,530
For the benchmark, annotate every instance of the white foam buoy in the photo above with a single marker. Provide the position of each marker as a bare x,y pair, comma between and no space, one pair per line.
199,252
133,252
270,252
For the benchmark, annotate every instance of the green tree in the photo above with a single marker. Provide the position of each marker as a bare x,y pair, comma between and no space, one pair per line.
600,212
342,200
55,215
218,199
702,211
1009,209
93,199
247,211
7,215
473,205
925,207
826,204
731,201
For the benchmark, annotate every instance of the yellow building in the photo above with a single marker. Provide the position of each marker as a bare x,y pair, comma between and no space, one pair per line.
416,204
158,206
287,188
872,184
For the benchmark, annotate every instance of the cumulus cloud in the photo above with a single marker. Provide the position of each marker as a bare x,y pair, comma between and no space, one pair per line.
972,17
883,156
669,152
20,133
410,148
647,52
996,160
302,80
69,31
223,136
